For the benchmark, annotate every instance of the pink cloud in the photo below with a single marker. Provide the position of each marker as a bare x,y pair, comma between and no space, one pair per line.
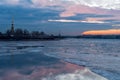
46,3
10,2
69,7
72,10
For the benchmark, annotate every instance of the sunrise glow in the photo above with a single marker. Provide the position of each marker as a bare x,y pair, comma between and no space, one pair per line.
102,32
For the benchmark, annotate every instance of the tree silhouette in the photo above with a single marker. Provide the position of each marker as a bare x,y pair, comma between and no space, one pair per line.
35,34
26,32
0,33
8,32
19,33
42,33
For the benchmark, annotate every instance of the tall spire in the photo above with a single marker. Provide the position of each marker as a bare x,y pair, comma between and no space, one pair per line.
12,27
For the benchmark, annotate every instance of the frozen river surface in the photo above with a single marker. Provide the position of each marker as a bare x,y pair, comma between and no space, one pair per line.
101,56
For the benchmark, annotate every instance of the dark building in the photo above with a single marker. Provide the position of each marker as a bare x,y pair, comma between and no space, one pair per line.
20,34
12,30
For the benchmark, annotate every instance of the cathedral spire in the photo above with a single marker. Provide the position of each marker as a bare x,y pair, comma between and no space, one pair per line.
12,27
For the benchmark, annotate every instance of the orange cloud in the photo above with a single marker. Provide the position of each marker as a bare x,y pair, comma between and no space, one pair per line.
102,32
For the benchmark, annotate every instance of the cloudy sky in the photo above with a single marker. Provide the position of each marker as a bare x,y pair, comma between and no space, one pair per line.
68,17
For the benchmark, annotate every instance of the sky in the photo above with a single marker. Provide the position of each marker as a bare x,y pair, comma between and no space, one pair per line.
68,17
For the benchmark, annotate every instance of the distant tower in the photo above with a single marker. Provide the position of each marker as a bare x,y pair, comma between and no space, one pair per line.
12,27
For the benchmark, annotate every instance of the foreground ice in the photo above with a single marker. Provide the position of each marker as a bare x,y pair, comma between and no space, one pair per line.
85,74
102,56
36,66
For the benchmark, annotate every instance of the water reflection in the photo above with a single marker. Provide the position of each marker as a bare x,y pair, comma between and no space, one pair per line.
36,66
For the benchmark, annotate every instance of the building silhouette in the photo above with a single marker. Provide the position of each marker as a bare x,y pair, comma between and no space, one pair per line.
24,34
12,30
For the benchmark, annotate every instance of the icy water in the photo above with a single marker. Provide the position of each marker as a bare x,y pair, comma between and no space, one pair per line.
101,56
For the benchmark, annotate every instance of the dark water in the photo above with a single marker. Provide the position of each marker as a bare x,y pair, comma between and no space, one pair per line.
102,56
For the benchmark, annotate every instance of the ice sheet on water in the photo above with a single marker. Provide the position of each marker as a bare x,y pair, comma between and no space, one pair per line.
85,74
102,56
94,53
